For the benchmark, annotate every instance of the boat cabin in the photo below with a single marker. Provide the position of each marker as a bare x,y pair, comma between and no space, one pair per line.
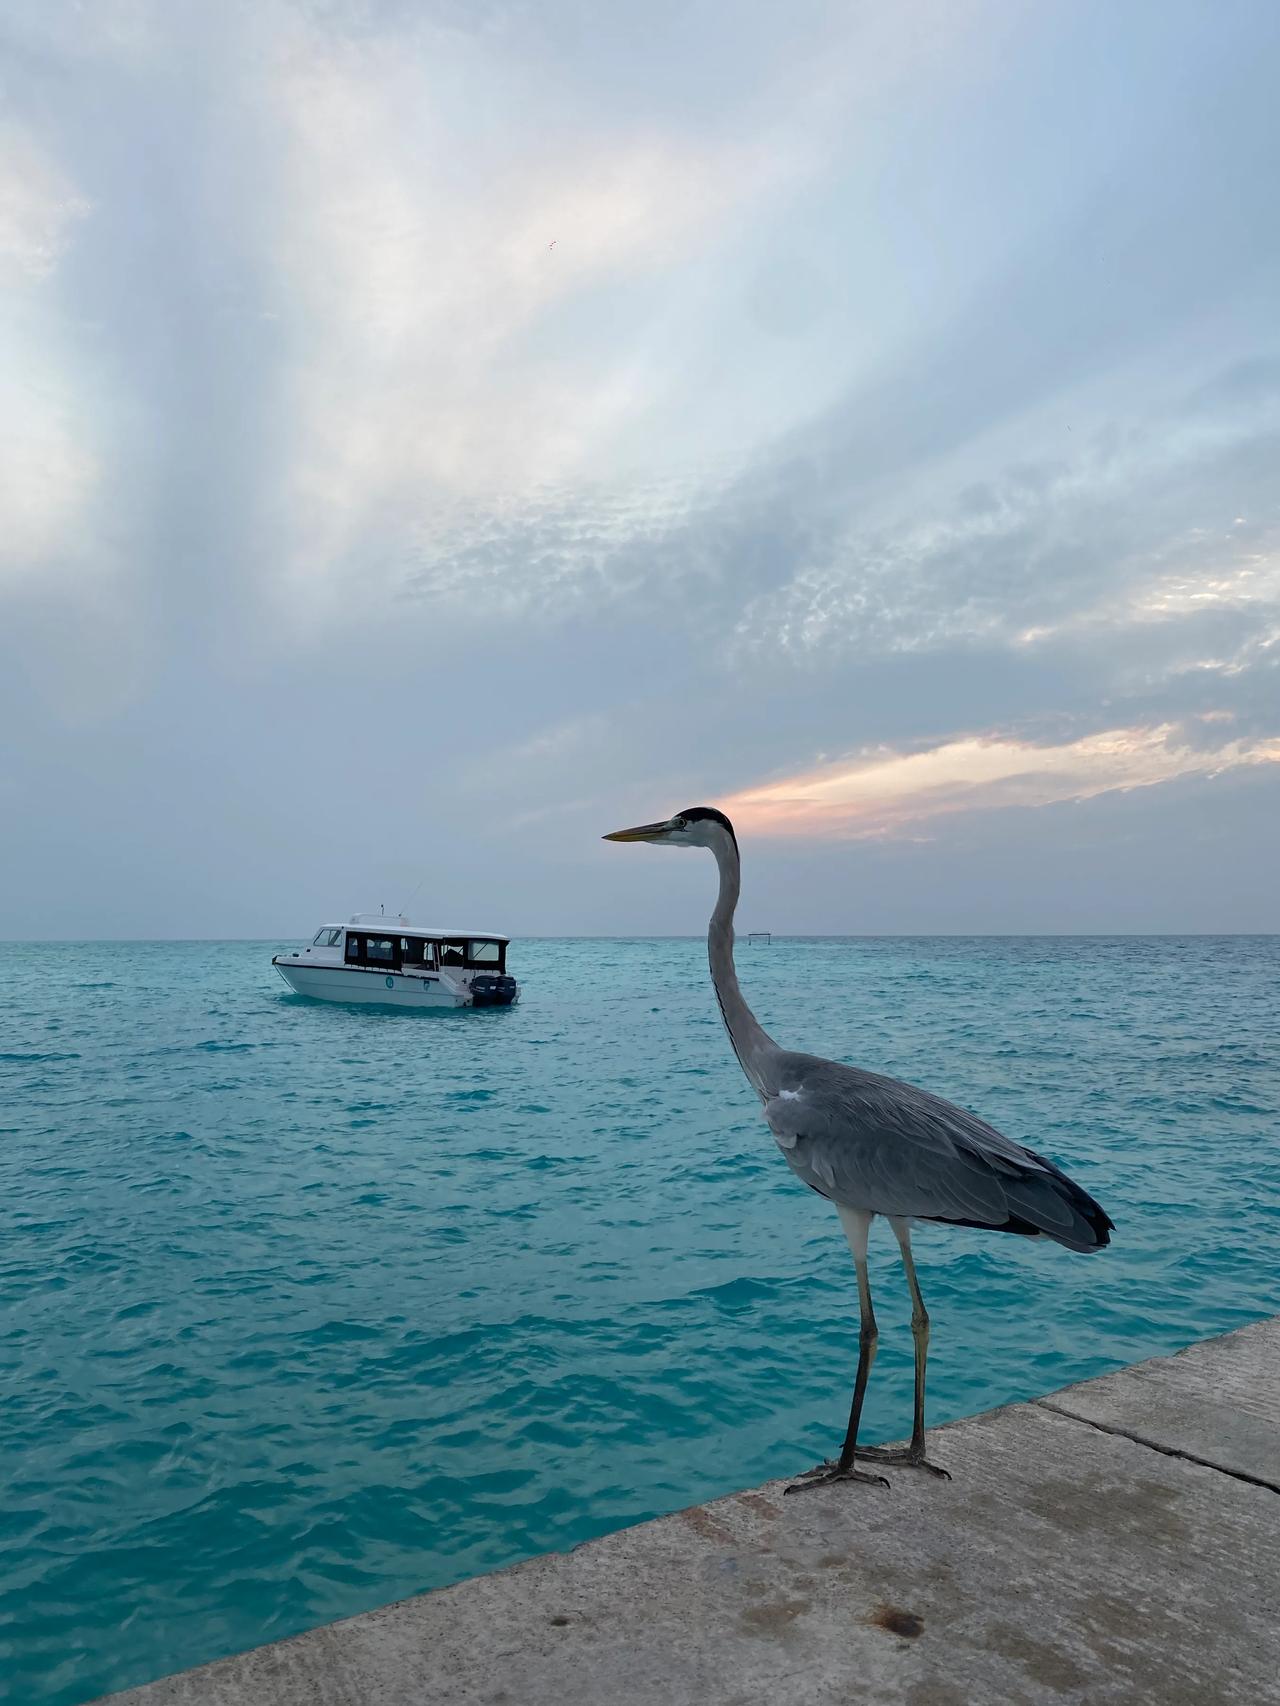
382,950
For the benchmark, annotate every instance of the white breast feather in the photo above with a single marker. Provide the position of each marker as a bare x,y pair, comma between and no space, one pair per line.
786,1139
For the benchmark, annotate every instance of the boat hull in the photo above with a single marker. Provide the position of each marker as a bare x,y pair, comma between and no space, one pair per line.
368,988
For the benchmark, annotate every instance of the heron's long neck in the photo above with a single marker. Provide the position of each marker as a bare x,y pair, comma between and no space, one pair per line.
751,1043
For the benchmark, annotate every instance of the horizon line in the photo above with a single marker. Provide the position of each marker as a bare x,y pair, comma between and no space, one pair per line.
696,936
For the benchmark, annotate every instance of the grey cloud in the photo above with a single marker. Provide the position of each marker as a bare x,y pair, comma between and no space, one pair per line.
1045,560
1037,549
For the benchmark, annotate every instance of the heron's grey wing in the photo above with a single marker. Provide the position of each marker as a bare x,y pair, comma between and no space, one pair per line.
876,1143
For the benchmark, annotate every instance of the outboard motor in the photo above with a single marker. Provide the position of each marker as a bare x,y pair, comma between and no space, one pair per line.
493,989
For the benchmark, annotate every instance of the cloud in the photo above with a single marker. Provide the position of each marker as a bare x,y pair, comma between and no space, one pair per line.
560,552
48,467
450,375
881,794
1137,524
48,475
1136,572
39,208
433,374
124,31
1107,617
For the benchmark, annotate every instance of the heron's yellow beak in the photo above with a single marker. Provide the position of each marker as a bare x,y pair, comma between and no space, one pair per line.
642,832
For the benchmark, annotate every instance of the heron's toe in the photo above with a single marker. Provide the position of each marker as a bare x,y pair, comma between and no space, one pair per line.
903,1460
826,1473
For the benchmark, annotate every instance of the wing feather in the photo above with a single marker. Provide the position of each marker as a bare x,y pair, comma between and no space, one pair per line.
876,1143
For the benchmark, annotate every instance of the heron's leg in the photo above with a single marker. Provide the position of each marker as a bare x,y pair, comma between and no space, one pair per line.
856,1224
913,1457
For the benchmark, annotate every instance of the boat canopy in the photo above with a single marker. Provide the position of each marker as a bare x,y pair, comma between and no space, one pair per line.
388,942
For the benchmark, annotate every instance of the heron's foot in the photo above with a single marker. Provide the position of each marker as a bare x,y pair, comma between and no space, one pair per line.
903,1457
826,1473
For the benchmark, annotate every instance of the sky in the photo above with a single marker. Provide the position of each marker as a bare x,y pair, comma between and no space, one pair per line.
434,433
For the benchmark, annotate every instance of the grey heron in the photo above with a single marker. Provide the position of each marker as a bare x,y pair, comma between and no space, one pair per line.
876,1146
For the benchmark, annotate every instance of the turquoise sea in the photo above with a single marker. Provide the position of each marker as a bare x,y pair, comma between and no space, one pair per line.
304,1308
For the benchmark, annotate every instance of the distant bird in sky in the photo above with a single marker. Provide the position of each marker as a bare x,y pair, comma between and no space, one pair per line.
874,1145
551,245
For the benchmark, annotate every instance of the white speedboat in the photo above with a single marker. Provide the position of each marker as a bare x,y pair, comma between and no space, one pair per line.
390,962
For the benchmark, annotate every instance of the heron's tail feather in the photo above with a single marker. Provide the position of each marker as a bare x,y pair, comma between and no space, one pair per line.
1089,1225
1042,1202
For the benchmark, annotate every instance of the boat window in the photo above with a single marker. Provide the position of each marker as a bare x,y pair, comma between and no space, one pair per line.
485,955
416,952
333,938
353,948
380,951
320,938
453,953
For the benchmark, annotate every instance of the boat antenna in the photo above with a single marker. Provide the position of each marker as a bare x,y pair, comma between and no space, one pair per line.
404,910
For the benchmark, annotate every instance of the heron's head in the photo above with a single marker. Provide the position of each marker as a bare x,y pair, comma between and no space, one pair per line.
696,826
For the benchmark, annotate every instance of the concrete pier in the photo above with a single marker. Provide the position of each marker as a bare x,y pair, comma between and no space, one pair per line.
1116,1541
